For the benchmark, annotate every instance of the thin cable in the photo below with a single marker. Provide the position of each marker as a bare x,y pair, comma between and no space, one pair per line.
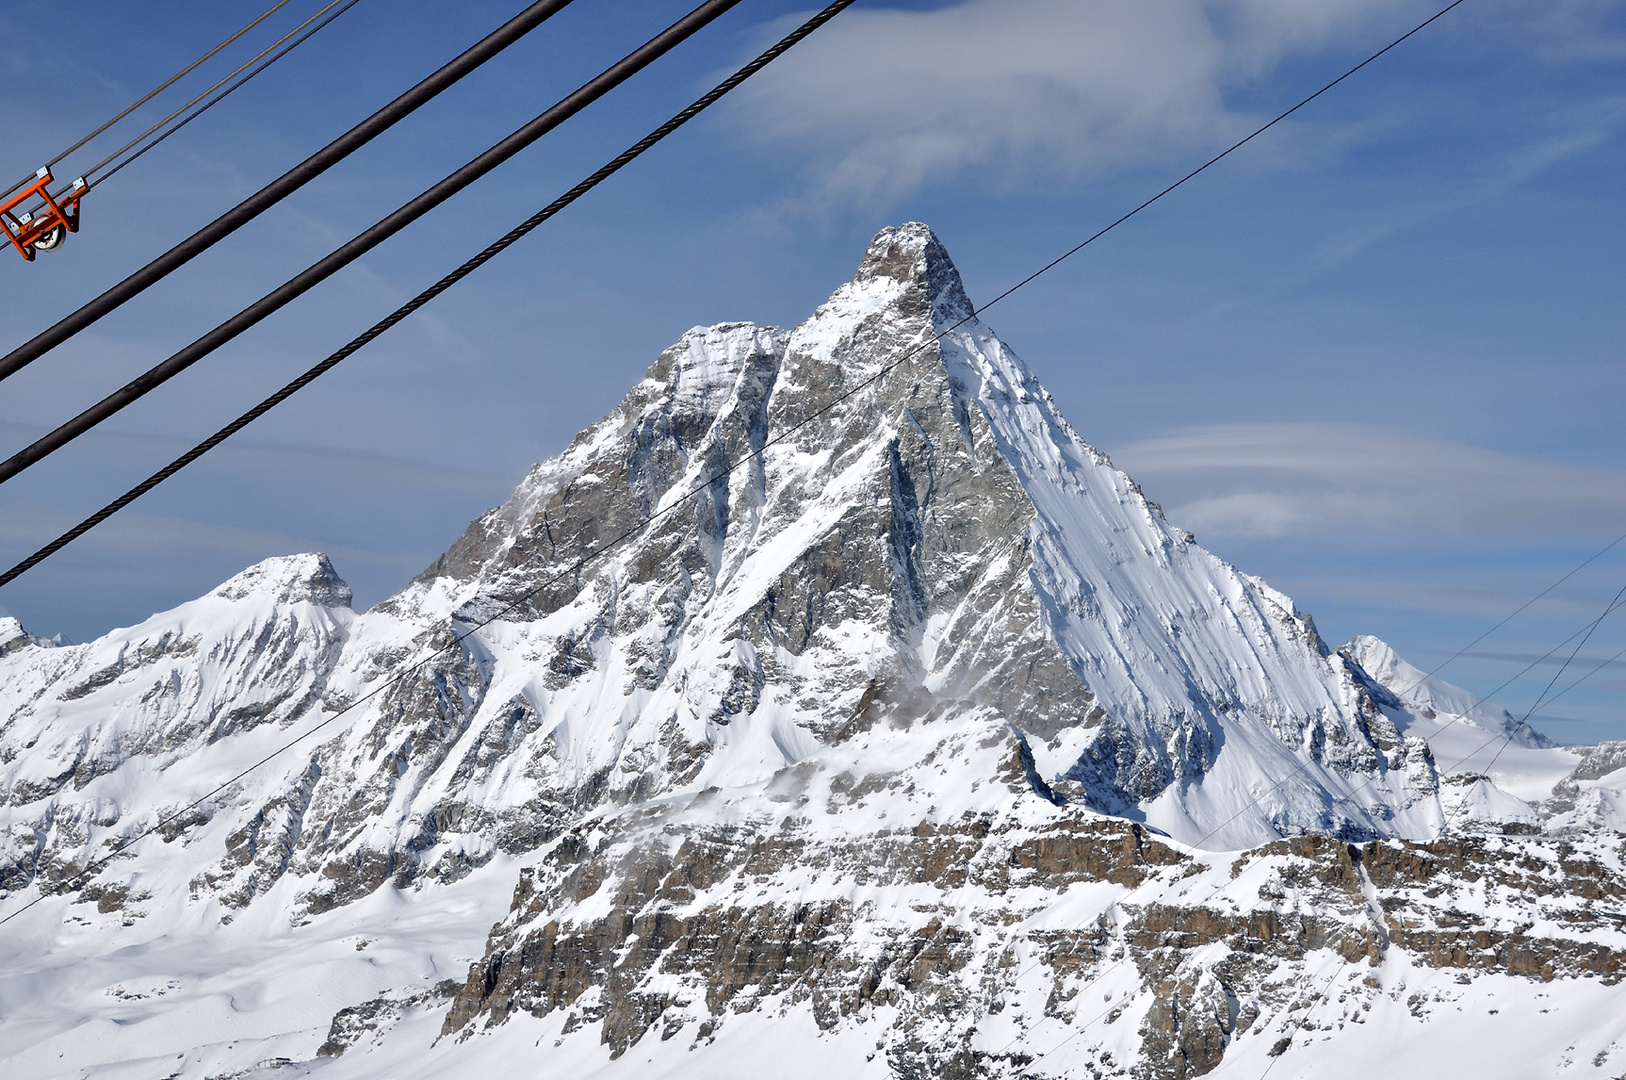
1601,665
212,102
576,567
250,62
1217,158
255,205
162,125
1510,616
154,92
353,249
1611,606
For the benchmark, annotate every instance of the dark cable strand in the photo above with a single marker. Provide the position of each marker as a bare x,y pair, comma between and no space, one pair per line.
1542,697
1568,660
468,267
1509,617
1600,666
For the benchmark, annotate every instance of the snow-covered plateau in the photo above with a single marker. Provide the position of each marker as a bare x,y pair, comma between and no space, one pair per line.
918,745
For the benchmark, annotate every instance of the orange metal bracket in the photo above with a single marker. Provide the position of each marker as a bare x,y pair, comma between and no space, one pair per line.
39,228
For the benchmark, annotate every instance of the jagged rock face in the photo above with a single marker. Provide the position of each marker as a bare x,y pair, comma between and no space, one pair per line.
661,924
832,672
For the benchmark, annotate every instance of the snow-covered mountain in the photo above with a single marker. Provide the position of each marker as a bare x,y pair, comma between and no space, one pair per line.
908,731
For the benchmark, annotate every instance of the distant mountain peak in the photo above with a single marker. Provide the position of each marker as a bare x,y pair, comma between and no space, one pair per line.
911,255
290,579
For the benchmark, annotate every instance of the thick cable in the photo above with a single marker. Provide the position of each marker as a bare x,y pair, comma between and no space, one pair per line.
355,248
457,639
160,88
285,185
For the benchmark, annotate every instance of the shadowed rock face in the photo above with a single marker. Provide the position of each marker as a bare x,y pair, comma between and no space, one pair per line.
805,680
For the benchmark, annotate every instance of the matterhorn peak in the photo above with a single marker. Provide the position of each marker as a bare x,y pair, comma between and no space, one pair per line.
912,256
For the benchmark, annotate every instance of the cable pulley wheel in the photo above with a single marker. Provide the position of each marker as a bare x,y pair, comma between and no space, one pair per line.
53,239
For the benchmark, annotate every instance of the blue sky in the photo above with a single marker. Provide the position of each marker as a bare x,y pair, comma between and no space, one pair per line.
1374,358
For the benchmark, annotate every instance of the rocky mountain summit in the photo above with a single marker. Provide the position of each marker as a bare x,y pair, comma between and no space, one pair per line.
830,694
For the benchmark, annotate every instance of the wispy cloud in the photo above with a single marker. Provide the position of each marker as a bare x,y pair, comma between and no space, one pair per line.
885,100
1266,480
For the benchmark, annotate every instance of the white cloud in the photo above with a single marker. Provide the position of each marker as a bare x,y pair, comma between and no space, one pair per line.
886,100
1366,482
